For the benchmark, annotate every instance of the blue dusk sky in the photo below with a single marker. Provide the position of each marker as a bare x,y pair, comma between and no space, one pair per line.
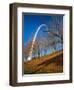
32,22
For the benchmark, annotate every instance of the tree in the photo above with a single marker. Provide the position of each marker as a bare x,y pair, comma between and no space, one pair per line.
55,32
41,46
27,50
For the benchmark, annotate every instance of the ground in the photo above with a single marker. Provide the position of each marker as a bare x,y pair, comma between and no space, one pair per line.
52,63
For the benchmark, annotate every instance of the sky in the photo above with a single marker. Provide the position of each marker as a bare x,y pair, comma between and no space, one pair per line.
33,21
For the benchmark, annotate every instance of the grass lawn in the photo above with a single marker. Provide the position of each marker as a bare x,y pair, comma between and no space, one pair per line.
52,63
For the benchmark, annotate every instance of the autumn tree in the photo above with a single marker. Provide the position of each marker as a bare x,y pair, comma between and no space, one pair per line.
55,32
